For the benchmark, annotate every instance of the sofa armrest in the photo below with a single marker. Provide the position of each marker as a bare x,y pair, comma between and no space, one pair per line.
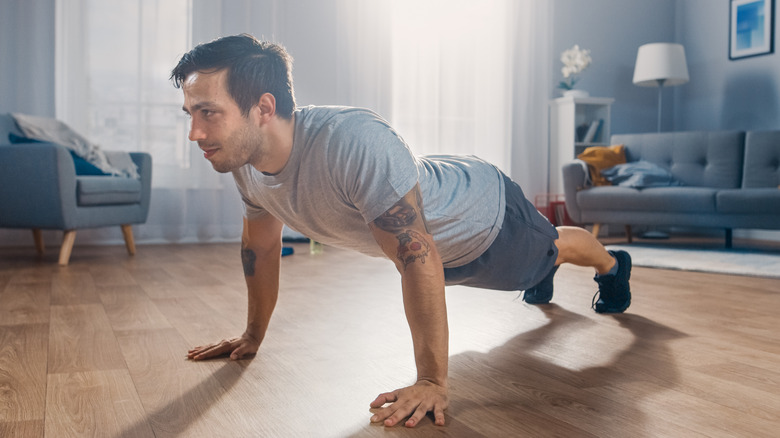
36,180
574,180
144,162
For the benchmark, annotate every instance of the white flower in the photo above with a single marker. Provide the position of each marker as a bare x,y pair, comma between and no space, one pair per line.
574,60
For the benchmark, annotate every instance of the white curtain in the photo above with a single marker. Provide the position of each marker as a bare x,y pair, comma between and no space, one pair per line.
453,76
464,77
533,71
452,83
113,59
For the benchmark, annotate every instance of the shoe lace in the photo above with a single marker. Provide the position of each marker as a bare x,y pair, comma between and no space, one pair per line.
594,300
606,283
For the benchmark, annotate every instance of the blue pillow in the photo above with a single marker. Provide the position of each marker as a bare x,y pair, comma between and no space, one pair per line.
639,175
83,167
15,139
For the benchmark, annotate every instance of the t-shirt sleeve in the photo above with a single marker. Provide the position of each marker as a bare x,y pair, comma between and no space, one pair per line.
251,210
371,164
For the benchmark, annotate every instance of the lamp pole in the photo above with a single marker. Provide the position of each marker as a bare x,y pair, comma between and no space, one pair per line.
660,94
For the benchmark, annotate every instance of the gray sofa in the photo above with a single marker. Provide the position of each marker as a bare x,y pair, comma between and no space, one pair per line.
40,189
730,180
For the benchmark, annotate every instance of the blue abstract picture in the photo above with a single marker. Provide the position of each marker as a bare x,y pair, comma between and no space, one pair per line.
750,25
751,28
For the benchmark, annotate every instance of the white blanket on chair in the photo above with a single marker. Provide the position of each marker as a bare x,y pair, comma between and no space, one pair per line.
52,130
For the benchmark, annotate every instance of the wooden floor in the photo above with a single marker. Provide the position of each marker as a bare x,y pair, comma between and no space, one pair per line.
98,349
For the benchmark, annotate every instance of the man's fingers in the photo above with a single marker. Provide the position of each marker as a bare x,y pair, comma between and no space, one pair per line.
387,397
237,348
396,412
239,352
418,415
438,415
210,351
412,403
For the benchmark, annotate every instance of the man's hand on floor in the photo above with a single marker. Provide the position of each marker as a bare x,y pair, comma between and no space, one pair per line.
237,348
416,400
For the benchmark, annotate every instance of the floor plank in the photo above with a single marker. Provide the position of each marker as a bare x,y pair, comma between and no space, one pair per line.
81,339
23,373
94,403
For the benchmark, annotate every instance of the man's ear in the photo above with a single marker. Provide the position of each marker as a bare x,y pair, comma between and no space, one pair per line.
266,107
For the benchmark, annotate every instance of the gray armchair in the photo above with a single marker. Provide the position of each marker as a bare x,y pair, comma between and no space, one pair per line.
40,190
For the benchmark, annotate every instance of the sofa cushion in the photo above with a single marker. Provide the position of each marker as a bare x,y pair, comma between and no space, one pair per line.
661,199
639,174
703,159
762,160
107,190
602,157
751,201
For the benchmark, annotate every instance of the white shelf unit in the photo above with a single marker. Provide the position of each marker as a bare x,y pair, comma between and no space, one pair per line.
567,114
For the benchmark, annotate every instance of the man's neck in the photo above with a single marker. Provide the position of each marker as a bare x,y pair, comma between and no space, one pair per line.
280,137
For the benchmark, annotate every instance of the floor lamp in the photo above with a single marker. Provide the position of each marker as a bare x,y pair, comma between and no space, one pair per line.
660,65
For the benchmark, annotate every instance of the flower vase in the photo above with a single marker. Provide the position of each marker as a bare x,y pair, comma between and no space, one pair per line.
575,93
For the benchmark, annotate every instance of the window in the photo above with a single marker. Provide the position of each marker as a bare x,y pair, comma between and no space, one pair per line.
113,66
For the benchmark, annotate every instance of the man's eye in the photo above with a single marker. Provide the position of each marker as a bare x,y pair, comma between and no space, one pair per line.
207,113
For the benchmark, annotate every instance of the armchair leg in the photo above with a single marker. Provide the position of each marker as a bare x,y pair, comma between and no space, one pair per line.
596,228
127,231
629,236
38,237
67,246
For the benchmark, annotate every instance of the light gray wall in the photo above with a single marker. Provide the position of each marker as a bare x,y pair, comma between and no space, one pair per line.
307,29
613,30
721,95
742,94
27,56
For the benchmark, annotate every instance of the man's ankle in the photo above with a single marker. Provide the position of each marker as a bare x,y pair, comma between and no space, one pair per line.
613,270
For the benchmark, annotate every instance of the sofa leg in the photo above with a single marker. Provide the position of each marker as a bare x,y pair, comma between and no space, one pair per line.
127,231
596,228
728,238
67,246
629,235
40,248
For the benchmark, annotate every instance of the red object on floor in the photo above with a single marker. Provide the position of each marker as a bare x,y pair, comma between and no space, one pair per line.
553,207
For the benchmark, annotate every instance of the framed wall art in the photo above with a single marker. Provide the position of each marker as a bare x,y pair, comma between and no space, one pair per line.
751,28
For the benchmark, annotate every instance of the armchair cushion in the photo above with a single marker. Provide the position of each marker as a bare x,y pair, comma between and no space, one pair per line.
107,190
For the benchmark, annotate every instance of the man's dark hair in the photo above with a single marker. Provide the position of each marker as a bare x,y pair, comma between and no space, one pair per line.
253,68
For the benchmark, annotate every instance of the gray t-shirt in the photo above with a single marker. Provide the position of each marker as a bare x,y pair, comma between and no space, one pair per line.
348,166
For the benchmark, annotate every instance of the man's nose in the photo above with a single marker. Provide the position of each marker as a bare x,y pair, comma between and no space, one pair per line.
196,132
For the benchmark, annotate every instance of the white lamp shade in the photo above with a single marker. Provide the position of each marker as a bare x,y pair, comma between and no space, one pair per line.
660,63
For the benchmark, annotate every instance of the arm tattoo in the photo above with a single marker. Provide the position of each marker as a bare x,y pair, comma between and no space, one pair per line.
400,215
411,246
248,259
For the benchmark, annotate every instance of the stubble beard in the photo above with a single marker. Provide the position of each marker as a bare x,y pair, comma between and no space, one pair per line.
244,146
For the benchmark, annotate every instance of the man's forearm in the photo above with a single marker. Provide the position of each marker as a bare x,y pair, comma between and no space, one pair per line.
426,312
261,271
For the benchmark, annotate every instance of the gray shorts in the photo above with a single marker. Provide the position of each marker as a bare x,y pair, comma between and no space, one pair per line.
523,253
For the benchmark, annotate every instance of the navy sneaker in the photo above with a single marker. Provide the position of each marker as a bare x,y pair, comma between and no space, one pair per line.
614,295
541,293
